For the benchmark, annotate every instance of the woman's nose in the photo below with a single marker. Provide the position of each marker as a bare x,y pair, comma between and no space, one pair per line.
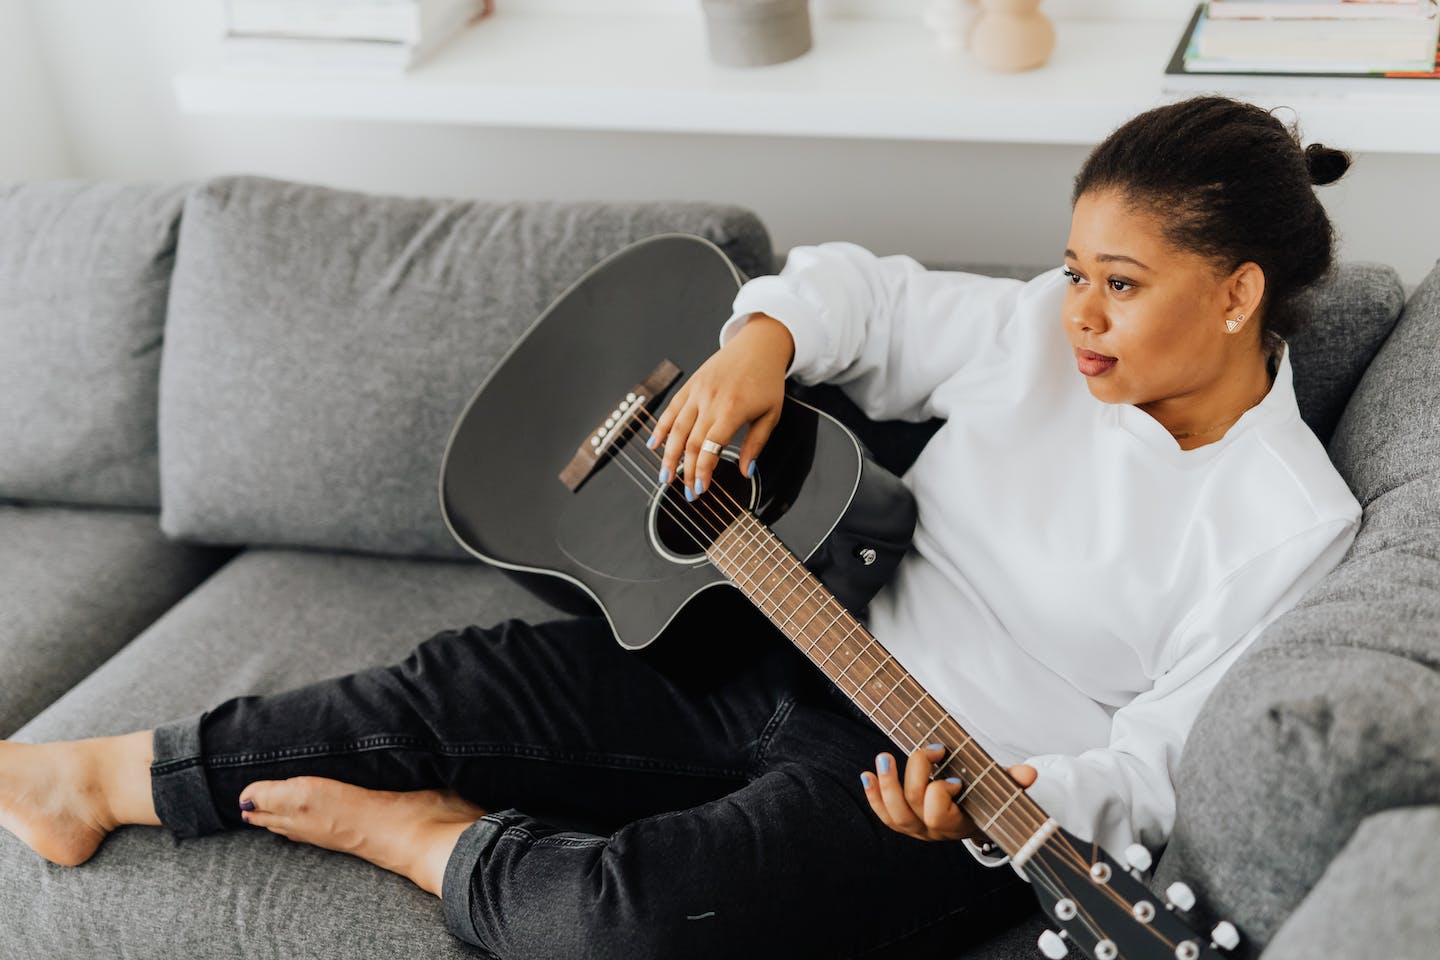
1084,314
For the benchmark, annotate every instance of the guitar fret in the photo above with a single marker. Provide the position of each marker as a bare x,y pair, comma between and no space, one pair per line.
832,653
769,550
907,713
974,783
996,815
818,608
893,690
755,544
846,639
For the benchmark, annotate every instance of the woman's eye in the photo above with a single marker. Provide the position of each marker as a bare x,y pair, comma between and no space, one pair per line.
1071,275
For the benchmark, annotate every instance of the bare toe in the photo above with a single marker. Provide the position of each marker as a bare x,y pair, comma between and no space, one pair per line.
404,831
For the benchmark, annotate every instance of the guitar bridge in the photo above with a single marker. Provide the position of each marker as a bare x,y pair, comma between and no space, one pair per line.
588,455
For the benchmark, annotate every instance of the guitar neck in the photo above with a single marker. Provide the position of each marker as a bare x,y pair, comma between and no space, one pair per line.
775,580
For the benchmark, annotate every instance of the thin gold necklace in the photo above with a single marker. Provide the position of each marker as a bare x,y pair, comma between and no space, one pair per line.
1196,433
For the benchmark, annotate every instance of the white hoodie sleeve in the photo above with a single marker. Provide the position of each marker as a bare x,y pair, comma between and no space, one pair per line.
1124,793
886,330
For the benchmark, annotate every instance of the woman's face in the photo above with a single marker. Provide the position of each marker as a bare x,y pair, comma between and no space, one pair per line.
1162,318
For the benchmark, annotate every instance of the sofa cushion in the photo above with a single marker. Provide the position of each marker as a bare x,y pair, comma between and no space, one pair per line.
1376,899
84,275
1352,312
322,343
1330,717
78,584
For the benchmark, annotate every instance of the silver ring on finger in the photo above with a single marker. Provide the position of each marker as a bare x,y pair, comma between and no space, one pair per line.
710,446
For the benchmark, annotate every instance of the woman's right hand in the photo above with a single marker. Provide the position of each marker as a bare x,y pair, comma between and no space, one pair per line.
741,383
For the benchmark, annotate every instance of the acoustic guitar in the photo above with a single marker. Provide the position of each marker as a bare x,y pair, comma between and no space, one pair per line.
546,476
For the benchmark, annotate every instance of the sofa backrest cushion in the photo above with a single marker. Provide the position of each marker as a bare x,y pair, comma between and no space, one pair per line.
1330,716
321,344
84,276
1353,311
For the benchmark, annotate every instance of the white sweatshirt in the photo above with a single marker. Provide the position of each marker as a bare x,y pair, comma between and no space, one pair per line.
1077,582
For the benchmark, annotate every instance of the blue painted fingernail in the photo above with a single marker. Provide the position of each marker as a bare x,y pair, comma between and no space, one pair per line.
952,779
935,746
664,474
651,442
750,471
699,486
865,780
247,804
882,763
689,496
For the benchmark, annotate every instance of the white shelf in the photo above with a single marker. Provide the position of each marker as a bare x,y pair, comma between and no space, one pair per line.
864,78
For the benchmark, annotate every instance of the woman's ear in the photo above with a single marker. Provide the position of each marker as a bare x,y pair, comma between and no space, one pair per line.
1244,290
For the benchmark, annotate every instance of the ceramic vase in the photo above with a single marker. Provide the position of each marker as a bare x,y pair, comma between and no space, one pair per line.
951,21
1011,35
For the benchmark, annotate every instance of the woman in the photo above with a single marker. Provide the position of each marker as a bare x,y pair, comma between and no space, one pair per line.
1121,498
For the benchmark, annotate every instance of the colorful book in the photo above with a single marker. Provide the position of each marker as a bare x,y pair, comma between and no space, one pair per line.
1185,75
1320,9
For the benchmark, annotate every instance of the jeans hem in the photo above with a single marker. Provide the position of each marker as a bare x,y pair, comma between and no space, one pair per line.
178,786
456,883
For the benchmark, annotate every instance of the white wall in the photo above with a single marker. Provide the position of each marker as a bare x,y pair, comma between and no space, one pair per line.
32,138
992,203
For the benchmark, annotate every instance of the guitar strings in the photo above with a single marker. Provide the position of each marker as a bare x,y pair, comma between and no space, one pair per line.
1067,852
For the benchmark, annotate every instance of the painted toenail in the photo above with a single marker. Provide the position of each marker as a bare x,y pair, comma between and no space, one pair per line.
247,804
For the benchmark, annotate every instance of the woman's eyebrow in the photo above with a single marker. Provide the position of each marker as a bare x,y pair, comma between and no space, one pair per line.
1109,256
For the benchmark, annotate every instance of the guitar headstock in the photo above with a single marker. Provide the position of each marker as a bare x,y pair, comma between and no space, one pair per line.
1108,913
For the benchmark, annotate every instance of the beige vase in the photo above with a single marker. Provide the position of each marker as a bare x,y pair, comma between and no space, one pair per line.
1011,35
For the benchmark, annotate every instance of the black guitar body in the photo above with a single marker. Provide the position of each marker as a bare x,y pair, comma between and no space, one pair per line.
621,544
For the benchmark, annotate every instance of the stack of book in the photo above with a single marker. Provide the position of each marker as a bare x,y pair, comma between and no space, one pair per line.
1336,46
342,35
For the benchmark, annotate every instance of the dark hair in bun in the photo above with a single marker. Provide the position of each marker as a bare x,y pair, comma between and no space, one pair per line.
1326,164
1226,180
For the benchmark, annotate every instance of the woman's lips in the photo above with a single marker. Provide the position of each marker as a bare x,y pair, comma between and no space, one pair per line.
1093,364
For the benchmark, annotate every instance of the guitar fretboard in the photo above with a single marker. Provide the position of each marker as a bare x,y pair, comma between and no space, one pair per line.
775,580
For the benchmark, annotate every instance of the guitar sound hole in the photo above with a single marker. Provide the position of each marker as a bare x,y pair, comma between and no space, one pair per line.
683,530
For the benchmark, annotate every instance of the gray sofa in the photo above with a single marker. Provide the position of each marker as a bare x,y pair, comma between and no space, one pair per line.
222,410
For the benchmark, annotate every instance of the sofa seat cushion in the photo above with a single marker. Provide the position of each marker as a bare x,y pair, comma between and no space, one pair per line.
1330,717
77,584
84,277
321,345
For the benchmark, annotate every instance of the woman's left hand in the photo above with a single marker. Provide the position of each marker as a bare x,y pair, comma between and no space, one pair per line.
921,807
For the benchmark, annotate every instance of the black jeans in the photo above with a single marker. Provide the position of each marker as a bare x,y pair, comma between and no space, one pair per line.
734,822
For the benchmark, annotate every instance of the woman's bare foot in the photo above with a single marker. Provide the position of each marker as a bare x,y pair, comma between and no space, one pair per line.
409,832
51,798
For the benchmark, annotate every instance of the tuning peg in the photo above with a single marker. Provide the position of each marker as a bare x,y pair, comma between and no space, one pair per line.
1225,936
1052,944
1179,895
1138,857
